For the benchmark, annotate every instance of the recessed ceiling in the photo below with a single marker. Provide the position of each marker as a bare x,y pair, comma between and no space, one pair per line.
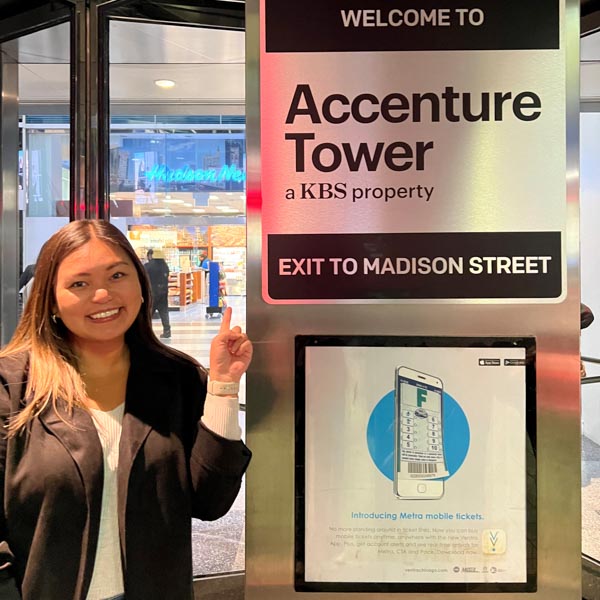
590,66
207,65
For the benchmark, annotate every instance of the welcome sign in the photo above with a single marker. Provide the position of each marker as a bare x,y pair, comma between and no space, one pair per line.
412,151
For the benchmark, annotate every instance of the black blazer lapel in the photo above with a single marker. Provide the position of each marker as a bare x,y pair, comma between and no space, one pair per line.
79,437
147,385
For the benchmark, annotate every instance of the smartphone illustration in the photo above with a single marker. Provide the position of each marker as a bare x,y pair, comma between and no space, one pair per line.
419,449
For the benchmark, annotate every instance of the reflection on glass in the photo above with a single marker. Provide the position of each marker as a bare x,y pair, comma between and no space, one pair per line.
590,336
177,173
47,166
590,465
44,161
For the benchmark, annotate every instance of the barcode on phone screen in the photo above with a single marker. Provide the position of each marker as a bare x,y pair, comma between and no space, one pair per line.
422,467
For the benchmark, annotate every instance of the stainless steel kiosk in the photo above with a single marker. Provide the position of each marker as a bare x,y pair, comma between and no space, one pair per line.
413,292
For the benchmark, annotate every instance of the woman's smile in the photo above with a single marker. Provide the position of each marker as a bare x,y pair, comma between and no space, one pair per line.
106,315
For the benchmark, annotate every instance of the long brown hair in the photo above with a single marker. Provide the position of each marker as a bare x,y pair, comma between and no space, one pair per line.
53,369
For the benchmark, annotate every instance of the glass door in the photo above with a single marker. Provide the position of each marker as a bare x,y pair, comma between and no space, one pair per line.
34,149
590,297
176,187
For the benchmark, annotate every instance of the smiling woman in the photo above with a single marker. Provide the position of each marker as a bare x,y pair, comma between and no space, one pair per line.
98,294
83,370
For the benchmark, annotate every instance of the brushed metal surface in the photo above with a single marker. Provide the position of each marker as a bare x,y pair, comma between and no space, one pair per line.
9,218
270,414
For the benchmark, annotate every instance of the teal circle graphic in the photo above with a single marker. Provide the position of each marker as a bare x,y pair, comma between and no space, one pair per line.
380,435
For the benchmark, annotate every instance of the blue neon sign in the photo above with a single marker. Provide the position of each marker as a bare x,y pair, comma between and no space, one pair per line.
187,175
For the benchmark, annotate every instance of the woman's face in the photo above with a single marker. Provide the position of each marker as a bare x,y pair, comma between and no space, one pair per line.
98,294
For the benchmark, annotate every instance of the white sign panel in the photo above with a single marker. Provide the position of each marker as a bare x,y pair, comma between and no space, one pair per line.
416,463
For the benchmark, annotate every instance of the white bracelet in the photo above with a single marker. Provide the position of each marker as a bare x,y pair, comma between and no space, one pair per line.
221,388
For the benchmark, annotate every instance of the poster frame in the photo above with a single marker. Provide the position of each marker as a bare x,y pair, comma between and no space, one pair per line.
529,344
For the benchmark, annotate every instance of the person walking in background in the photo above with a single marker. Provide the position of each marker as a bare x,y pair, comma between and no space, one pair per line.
111,441
26,275
26,282
158,273
586,317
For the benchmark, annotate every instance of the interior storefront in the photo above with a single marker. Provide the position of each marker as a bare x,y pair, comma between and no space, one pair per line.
176,190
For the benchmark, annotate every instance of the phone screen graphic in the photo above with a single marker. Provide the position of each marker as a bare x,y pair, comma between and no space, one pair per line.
419,427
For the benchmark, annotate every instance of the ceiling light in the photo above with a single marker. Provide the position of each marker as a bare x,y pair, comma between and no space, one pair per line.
173,201
166,84
198,210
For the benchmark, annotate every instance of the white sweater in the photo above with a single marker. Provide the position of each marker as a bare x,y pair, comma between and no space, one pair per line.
107,578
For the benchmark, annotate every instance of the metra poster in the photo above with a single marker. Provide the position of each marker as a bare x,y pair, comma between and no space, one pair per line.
416,469
412,151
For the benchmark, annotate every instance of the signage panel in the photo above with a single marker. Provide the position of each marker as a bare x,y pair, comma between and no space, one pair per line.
315,26
415,265
381,117
412,212
416,464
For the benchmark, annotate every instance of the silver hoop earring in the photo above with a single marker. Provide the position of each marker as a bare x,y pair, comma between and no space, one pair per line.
142,299
53,317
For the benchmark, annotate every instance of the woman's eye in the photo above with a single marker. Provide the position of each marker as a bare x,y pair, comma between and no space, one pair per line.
118,275
77,284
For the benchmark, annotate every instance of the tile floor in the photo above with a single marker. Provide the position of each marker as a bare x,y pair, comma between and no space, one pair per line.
590,474
590,498
218,546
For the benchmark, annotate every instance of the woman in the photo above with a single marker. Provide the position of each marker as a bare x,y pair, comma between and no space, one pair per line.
112,442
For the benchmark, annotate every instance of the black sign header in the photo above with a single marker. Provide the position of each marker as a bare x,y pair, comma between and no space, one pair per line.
386,25
414,266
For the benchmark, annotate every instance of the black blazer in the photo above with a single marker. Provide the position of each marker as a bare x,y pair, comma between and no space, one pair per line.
170,469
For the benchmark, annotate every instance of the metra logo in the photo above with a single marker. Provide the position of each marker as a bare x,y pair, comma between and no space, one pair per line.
187,175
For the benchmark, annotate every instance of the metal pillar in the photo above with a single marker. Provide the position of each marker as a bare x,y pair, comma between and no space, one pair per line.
89,110
9,144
